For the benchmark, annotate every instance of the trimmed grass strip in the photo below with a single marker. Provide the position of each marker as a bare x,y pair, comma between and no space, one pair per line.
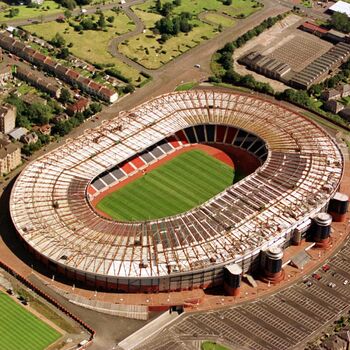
175,187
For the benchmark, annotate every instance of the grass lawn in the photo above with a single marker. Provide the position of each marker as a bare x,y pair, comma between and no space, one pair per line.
20,329
238,7
145,48
208,345
175,187
47,8
91,45
186,86
307,3
217,18
25,89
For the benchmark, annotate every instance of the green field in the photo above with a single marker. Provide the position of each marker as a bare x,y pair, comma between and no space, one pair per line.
20,329
186,86
47,8
176,186
146,49
219,18
208,345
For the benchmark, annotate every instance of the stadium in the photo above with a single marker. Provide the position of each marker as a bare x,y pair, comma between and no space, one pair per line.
293,168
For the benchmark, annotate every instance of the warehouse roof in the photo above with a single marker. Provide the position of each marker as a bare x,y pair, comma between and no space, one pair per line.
342,7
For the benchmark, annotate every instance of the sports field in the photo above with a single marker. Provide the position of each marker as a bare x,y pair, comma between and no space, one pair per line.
174,187
20,329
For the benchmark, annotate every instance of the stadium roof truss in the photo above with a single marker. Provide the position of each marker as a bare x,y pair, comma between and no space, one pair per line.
51,211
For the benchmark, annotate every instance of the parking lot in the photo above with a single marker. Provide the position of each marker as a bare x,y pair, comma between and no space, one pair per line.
284,320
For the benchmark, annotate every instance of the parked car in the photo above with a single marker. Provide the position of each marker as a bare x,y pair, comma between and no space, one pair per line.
345,282
316,276
325,268
331,284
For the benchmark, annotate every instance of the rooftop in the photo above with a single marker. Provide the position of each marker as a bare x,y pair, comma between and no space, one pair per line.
342,7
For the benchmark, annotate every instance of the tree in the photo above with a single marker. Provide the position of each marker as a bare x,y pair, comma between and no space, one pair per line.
128,89
68,14
101,21
340,21
39,113
62,128
116,9
166,9
65,96
58,40
231,77
13,12
87,24
63,54
69,4
110,19
95,107
158,6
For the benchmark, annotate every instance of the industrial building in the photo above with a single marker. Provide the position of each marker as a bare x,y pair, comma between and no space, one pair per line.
341,7
265,65
318,70
302,60
298,172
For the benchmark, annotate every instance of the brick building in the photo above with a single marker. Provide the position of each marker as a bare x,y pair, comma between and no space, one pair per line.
7,118
10,156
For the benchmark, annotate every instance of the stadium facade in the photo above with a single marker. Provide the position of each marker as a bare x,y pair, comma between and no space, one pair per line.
299,170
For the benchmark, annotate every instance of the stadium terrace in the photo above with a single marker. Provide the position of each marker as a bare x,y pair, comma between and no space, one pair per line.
299,171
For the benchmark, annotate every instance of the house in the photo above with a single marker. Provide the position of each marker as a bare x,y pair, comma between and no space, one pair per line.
60,71
29,138
72,75
345,90
37,2
17,133
330,94
345,113
6,41
31,99
7,118
60,118
39,80
5,73
43,129
28,53
333,106
108,95
79,106
10,156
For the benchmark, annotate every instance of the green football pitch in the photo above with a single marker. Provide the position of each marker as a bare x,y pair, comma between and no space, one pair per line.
20,329
174,187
